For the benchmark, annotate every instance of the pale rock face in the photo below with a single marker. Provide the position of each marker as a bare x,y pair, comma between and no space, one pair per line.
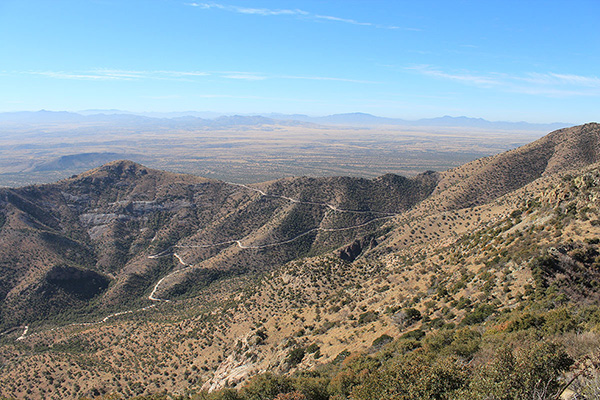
233,370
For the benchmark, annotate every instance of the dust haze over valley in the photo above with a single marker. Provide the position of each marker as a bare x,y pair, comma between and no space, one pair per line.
44,146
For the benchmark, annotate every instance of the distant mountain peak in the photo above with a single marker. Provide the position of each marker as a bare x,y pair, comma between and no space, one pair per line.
358,113
121,164
119,169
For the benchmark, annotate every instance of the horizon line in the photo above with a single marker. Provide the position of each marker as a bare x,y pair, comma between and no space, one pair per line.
271,114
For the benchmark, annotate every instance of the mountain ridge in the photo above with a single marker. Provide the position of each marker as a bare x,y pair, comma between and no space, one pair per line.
115,200
258,277
561,150
202,119
122,212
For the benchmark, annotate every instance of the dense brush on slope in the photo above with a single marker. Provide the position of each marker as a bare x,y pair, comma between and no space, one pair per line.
487,289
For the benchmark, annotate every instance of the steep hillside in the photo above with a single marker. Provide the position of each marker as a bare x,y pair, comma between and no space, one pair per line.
98,230
491,270
453,279
485,179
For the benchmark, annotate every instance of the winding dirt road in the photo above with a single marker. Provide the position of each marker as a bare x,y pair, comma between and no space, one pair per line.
168,252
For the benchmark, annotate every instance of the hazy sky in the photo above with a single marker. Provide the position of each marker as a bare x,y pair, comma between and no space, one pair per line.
501,60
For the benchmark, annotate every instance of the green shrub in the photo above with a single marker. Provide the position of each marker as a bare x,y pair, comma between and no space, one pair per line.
526,321
479,314
416,334
532,372
382,340
266,387
412,315
223,394
312,385
465,343
295,356
414,378
313,348
560,321
368,316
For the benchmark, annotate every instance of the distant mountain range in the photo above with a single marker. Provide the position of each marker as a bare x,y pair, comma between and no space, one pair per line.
363,119
214,120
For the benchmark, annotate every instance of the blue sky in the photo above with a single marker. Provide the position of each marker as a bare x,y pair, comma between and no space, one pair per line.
531,60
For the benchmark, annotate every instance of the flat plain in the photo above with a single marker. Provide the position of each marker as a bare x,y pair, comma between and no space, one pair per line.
43,153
